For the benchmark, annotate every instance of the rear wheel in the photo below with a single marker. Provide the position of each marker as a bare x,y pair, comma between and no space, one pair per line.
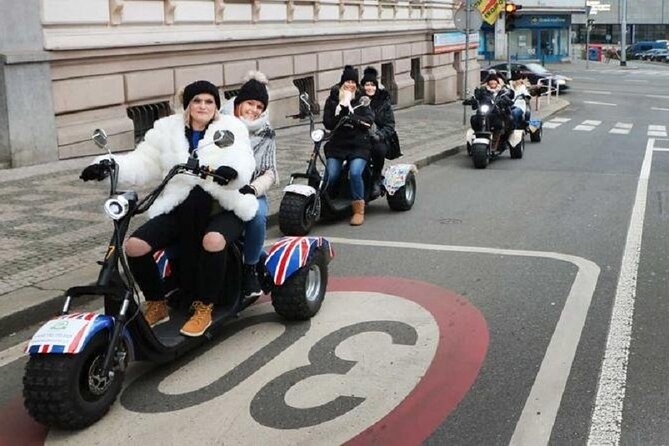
297,213
480,155
302,295
517,151
69,391
535,136
404,197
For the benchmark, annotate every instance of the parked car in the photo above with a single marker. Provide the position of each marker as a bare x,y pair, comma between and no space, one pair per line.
652,53
635,50
532,71
660,55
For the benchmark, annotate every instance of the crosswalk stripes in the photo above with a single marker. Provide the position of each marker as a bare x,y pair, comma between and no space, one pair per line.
587,126
621,128
657,130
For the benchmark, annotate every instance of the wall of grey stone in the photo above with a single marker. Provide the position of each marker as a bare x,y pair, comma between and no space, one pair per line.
27,123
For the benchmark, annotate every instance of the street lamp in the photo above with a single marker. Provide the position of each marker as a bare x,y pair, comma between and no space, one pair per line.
623,33
588,26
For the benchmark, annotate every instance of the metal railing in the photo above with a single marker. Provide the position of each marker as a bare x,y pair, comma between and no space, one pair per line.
143,117
550,88
308,86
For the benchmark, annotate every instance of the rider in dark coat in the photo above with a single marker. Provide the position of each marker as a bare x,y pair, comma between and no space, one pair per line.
384,135
351,141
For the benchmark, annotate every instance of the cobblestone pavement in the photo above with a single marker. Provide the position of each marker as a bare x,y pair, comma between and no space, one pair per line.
51,223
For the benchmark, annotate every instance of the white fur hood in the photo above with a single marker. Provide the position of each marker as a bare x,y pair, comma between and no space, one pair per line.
166,145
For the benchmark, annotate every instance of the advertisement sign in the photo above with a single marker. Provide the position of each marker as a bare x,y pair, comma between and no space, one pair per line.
490,9
453,41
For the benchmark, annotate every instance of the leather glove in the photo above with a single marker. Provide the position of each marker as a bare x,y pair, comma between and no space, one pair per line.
248,190
96,172
226,173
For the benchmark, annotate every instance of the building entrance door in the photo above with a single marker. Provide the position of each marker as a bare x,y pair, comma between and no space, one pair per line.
549,45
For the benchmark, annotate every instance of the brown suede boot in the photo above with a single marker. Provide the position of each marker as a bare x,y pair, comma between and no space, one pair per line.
358,212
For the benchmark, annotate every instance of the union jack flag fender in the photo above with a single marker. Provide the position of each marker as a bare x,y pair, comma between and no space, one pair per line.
289,254
70,333
163,262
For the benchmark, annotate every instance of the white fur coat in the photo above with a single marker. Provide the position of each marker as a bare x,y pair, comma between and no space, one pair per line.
166,145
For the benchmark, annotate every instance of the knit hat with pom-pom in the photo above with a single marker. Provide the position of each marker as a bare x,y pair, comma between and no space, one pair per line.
255,88
370,75
349,74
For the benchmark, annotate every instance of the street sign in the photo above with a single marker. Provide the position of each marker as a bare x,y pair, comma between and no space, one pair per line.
475,19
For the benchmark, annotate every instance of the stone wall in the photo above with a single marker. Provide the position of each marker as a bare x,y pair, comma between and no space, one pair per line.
108,55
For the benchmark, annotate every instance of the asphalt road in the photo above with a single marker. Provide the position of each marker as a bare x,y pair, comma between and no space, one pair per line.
480,317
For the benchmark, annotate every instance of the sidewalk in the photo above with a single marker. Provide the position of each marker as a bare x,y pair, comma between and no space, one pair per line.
53,230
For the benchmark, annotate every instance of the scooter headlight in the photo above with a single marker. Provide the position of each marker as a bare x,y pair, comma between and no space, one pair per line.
317,135
117,207
485,108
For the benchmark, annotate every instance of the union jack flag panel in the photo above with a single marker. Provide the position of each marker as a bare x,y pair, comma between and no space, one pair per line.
164,266
68,333
291,253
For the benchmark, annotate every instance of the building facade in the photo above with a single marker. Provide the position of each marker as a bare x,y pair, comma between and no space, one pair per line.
76,65
646,20
542,32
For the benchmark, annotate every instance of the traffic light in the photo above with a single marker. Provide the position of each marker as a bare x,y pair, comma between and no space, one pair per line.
510,10
590,23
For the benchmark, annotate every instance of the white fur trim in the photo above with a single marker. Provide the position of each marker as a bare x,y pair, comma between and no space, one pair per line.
257,75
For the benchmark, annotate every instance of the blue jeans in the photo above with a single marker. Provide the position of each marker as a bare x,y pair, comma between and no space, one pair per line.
518,116
355,168
254,233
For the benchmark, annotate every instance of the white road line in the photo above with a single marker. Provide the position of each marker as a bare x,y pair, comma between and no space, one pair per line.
657,96
584,128
660,150
659,109
656,133
607,415
623,125
660,128
600,103
538,416
641,81
620,131
551,125
12,354
596,92
589,122
560,120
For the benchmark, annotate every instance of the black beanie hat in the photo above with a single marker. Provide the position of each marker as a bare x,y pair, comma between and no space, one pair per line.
516,75
198,87
255,88
349,74
370,75
492,76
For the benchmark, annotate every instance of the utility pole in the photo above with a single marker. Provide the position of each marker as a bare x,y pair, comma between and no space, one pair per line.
466,53
623,33
588,25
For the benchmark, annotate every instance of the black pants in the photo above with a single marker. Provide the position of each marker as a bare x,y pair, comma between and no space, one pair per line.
378,156
201,273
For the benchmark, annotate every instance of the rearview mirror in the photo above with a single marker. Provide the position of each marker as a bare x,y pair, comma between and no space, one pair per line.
100,138
224,138
365,101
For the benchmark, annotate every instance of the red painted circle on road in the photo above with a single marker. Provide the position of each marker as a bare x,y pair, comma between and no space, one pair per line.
463,342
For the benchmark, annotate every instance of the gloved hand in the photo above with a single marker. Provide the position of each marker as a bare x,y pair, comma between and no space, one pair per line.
376,137
247,189
345,98
98,172
226,173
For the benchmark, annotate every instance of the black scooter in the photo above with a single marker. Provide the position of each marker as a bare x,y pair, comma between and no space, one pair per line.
304,204
77,360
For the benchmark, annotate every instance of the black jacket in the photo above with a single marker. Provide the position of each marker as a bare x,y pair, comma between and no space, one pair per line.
384,118
352,138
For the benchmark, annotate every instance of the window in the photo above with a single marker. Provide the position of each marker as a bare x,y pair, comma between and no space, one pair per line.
388,81
307,85
143,117
418,86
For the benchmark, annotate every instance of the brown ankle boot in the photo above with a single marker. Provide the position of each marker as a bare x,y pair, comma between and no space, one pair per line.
358,212
156,312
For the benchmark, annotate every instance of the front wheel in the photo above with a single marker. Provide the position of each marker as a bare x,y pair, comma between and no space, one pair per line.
68,391
404,197
302,295
517,151
297,214
480,155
